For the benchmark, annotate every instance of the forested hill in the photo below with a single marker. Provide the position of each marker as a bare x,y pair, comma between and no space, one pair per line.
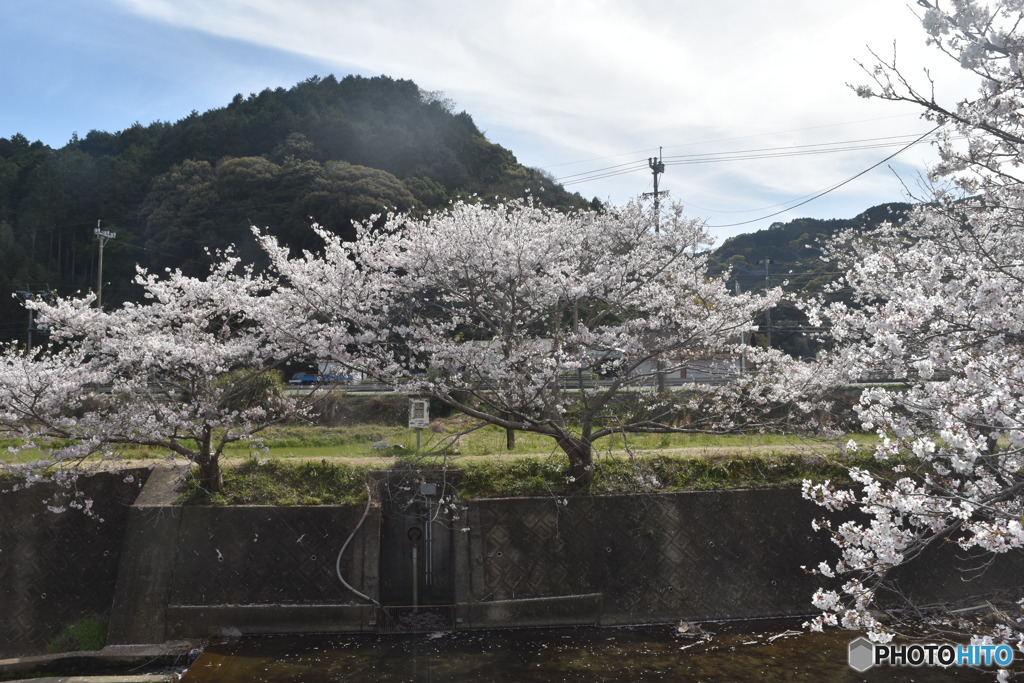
793,246
327,149
790,253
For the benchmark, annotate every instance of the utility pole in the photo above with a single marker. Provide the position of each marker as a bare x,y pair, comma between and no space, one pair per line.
657,167
103,236
767,311
743,340
26,295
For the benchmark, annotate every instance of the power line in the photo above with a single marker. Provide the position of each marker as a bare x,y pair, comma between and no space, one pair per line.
821,148
602,176
736,137
630,166
796,150
744,155
834,187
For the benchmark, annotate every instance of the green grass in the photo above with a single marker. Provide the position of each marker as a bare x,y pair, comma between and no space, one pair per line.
358,440
88,634
328,465
315,466
275,482
455,436
533,476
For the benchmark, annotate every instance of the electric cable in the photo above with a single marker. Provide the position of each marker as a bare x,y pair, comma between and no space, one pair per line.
736,137
740,155
337,563
834,187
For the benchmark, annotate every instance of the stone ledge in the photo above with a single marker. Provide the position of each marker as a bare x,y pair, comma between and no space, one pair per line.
161,487
561,610
213,620
169,654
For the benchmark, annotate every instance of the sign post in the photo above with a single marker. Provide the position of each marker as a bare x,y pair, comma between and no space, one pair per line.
419,416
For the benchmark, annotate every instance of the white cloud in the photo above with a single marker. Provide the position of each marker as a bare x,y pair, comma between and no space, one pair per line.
572,80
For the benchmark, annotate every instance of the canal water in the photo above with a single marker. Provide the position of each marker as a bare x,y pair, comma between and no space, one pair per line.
752,651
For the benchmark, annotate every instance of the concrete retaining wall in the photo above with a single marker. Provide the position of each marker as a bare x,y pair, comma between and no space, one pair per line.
701,555
694,556
197,571
57,569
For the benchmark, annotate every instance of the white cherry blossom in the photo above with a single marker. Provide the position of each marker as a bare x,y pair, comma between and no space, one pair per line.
507,312
170,372
938,302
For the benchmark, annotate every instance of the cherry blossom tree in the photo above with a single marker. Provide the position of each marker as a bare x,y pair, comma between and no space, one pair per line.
939,301
527,318
186,370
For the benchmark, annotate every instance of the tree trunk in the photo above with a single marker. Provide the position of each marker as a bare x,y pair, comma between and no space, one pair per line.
581,459
510,439
209,466
210,474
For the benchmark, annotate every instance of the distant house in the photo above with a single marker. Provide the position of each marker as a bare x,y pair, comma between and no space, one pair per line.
695,366
679,366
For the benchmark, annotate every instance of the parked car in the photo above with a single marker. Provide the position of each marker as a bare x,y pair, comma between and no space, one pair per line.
333,372
303,378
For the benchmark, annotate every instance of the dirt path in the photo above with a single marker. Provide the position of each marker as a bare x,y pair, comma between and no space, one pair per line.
384,462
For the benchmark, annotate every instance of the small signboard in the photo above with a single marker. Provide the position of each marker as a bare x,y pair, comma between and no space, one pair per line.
419,413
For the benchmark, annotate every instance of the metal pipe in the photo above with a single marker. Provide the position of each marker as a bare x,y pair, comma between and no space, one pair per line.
415,580
428,561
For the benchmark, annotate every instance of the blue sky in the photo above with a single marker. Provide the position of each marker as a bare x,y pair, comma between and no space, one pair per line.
573,87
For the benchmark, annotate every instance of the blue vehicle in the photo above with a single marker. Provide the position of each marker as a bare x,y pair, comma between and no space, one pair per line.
332,372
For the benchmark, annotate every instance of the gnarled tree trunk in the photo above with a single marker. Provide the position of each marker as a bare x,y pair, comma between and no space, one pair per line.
209,464
581,459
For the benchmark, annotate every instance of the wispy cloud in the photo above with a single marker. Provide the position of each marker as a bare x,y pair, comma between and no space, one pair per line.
605,81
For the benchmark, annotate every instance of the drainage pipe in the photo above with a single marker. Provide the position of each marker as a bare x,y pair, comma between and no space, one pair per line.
337,564
415,581
428,551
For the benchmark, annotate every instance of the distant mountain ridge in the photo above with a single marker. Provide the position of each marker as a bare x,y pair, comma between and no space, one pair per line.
793,246
790,253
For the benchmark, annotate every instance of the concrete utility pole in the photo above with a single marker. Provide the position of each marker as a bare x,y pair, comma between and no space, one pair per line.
28,294
767,311
743,340
103,236
657,168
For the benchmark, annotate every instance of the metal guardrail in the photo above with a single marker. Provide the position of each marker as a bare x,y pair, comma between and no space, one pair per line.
568,385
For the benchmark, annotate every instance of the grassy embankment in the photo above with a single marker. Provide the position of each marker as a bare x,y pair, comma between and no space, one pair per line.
327,465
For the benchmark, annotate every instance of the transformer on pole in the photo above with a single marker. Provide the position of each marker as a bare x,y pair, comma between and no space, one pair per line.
103,236
657,167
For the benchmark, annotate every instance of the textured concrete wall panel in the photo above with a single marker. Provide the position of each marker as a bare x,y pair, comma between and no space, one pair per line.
58,569
266,555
